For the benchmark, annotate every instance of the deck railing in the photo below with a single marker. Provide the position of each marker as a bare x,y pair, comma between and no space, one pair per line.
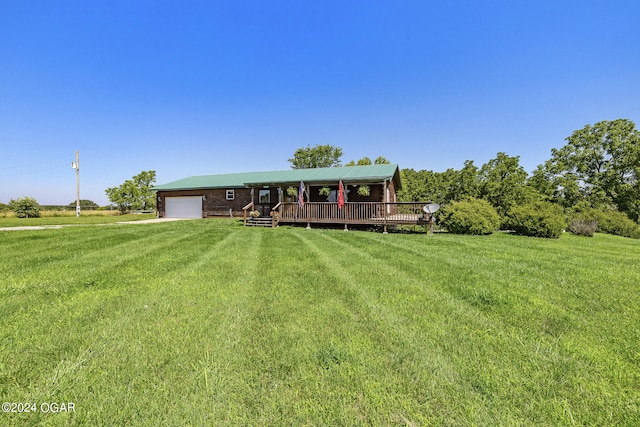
245,210
355,213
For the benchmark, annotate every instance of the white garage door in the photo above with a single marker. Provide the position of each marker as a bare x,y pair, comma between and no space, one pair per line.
183,207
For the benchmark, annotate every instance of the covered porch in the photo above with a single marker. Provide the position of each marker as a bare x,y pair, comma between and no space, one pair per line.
357,195
382,214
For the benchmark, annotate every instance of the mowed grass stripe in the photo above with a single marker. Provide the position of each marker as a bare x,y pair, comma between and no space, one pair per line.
555,360
429,313
84,257
183,339
211,323
274,342
411,368
494,278
280,345
152,320
49,288
69,301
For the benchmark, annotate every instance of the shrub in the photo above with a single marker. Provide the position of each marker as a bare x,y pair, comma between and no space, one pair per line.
618,223
583,226
537,219
472,216
26,207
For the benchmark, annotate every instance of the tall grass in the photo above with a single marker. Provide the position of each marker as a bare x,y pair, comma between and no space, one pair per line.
210,323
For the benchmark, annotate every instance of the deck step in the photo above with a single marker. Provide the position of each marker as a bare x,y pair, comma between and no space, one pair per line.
260,222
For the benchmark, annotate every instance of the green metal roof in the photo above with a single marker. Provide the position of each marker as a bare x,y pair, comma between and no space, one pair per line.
319,176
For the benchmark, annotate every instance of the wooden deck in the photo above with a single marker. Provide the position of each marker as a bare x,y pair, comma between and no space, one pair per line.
360,213
366,213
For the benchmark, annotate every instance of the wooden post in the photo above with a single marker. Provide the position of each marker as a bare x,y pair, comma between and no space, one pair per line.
384,206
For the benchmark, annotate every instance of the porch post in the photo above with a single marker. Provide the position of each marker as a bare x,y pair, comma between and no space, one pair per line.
307,208
384,191
384,206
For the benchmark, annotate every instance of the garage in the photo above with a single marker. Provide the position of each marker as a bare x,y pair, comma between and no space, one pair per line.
183,207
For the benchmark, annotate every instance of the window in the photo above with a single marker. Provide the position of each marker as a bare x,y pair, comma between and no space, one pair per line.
231,194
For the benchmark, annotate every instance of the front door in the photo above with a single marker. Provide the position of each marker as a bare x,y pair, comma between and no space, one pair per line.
264,202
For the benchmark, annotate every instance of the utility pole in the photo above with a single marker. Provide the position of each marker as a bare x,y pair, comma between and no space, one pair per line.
76,166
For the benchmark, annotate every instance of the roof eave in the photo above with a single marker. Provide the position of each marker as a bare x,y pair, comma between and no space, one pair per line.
360,180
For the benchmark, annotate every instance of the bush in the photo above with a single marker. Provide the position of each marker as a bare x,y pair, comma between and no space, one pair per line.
84,204
473,216
583,226
618,223
537,219
26,207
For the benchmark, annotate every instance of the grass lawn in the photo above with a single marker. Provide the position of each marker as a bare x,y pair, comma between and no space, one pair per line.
207,322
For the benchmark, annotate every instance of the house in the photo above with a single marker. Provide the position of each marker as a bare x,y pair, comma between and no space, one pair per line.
275,194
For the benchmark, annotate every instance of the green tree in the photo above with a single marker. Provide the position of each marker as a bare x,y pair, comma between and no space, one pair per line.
146,197
134,193
84,204
465,183
563,189
365,161
25,207
380,160
599,164
319,156
503,183
440,187
414,185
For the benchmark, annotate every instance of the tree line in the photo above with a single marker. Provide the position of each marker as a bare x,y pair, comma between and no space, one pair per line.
597,168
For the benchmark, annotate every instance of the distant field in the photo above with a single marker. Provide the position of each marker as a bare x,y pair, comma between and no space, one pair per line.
66,218
207,322
71,212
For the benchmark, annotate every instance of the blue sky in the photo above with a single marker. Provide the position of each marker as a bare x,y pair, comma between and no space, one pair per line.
203,87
